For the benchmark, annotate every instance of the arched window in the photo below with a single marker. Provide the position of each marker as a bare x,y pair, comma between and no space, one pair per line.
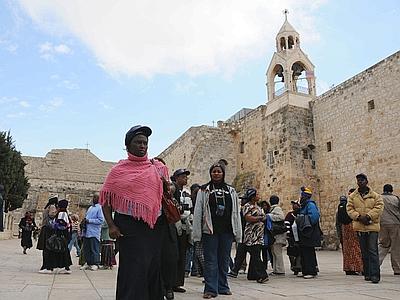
297,42
290,42
300,80
279,81
283,43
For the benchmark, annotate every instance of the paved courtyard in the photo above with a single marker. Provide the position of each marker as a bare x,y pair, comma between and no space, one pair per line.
19,280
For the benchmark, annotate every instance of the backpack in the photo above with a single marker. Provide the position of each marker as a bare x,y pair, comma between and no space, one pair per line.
278,227
342,215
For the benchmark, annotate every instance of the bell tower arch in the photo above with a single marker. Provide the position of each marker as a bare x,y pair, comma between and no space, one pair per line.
290,75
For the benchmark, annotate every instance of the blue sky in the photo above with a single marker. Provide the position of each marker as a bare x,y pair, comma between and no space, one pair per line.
77,73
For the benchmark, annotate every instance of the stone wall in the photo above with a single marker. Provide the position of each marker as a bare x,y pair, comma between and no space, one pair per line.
270,152
278,150
197,149
362,138
73,174
263,151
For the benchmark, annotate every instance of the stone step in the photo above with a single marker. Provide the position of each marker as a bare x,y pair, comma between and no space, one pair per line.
5,235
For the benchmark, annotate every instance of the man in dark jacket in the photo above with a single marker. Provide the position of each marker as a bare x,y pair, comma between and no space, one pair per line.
311,236
179,179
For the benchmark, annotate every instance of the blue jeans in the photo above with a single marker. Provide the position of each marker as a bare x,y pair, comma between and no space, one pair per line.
189,266
92,251
217,254
74,242
369,251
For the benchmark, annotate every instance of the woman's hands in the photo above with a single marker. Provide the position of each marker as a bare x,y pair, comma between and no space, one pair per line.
114,232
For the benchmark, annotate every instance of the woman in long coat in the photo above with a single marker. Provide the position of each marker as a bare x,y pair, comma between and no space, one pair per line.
27,225
49,213
56,223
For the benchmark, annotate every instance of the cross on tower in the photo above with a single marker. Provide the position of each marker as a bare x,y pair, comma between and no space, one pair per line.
286,12
87,146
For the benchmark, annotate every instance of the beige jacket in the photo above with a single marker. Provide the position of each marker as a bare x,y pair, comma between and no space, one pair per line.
371,205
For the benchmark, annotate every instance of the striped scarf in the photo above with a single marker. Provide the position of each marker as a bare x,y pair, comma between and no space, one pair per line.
134,187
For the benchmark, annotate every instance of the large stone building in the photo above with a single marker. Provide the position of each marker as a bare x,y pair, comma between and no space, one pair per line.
72,174
297,138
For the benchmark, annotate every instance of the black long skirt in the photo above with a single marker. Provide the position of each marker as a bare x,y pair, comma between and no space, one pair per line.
169,257
139,271
26,238
52,259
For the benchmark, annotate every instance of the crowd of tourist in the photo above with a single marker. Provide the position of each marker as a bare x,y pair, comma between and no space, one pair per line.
132,216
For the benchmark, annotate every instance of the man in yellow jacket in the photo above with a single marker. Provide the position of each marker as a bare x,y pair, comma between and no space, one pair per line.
365,207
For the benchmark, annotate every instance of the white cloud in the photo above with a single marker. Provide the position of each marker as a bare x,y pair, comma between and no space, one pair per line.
8,45
51,105
185,87
24,104
68,85
62,49
64,83
12,48
47,50
166,37
105,106
16,115
5,100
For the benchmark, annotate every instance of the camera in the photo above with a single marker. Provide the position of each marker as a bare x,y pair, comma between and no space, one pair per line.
220,210
184,207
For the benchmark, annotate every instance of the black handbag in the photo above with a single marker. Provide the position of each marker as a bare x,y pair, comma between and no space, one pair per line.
278,227
56,243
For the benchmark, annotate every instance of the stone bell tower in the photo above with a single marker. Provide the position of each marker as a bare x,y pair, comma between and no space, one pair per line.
290,75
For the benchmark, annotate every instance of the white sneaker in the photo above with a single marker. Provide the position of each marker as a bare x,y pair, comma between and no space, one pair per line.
84,267
93,268
63,271
45,271
308,276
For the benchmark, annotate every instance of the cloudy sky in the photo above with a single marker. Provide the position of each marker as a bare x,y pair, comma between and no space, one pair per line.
79,73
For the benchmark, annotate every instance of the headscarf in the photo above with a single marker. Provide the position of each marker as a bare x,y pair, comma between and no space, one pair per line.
134,187
53,200
63,204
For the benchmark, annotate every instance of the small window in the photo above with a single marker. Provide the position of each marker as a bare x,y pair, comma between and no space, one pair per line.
305,153
329,146
283,43
276,152
290,42
270,158
371,105
241,146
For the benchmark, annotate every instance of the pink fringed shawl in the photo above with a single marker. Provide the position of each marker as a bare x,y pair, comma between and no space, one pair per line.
134,187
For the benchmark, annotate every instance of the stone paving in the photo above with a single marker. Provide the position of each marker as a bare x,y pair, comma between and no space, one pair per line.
19,280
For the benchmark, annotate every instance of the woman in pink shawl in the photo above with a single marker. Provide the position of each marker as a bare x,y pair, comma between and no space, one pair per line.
133,190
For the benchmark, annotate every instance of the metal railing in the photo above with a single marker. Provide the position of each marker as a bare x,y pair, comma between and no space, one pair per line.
302,90
280,91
